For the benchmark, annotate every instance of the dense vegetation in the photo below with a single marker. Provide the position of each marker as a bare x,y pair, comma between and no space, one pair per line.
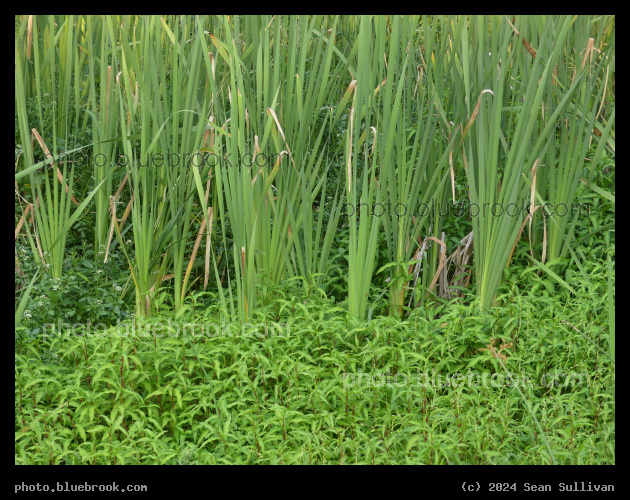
280,239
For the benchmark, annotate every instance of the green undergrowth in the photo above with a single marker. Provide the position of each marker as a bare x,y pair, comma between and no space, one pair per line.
304,383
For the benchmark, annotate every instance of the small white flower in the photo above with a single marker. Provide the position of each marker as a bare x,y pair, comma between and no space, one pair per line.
55,355
99,271
56,287
27,314
118,288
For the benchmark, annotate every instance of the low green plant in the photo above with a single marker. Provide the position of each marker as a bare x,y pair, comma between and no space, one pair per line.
288,391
